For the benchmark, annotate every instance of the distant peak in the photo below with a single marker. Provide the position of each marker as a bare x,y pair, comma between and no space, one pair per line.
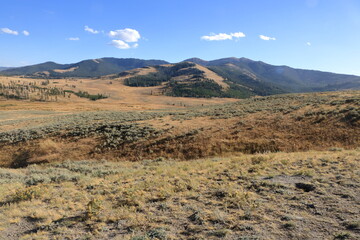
194,58
197,61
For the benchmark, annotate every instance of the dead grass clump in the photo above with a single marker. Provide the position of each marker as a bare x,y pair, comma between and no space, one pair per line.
48,146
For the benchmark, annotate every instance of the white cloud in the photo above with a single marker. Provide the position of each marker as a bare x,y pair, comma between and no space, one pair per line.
120,44
26,33
266,38
308,43
9,31
217,37
223,36
238,35
73,39
126,35
90,30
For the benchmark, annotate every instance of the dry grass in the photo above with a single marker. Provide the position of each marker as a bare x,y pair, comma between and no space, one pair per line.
121,97
146,191
312,195
281,123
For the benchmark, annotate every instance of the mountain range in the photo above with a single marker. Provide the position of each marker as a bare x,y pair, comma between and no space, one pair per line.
86,68
226,77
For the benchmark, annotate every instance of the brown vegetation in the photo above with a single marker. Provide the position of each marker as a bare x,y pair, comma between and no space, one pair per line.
285,123
253,167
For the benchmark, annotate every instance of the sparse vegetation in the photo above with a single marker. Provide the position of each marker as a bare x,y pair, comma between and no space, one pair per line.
242,126
213,198
30,91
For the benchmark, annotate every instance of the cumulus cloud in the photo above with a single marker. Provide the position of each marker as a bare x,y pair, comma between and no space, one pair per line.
308,43
223,36
73,39
123,37
126,35
90,30
9,31
120,44
26,33
238,35
266,38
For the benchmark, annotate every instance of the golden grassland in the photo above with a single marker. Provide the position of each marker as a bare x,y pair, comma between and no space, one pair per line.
140,166
303,195
121,97
281,123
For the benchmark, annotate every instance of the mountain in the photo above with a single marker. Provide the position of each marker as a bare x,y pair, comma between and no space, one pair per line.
257,75
184,79
226,77
86,68
236,77
188,79
3,68
28,70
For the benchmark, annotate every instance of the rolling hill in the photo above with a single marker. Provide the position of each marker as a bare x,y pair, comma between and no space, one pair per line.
236,78
184,79
227,77
86,68
255,74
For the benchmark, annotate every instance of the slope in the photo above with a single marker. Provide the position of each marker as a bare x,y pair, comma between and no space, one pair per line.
86,68
185,79
28,70
283,78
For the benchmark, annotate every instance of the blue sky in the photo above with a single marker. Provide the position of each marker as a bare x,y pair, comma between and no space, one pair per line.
310,34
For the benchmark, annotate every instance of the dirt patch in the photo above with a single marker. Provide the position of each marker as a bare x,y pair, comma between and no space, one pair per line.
65,70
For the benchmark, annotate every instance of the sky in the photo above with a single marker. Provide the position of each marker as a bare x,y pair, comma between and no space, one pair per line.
309,34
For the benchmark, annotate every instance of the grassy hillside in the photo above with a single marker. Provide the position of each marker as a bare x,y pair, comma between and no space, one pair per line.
186,79
275,123
238,78
244,76
106,66
29,70
87,68
281,78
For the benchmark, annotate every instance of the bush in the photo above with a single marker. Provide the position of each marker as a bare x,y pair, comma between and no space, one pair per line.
26,194
21,159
